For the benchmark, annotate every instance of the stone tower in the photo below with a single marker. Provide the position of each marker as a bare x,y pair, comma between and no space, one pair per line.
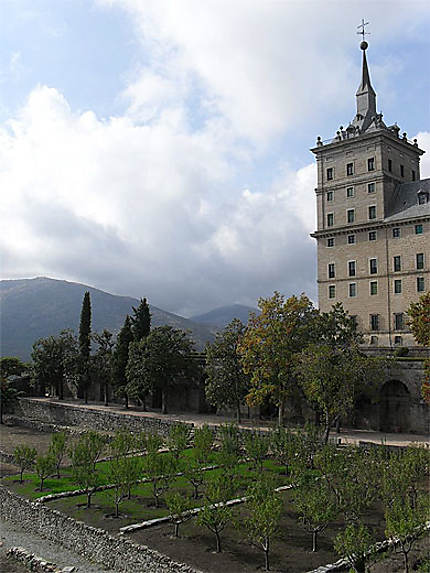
373,217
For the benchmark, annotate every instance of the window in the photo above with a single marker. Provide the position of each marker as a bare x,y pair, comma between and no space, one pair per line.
420,284
372,236
350,169
402,170
397,286
396,233
413,174
330,219
351,268
398,340
398,321
423,198
373,266
352,289
330,242
373,287
350,215
374,321
372,212
418,229
351,239
397,263
390,165
420,261
371,164
330,173
350,192
374,340
371,188
331,291
330,195
331,270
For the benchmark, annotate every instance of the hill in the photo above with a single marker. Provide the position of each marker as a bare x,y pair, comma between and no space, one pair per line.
39,307
220,317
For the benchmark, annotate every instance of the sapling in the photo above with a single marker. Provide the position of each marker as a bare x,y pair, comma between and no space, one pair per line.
57,449
25,458
45,466
179,508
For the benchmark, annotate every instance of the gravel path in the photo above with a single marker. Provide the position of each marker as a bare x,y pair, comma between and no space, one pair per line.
12,534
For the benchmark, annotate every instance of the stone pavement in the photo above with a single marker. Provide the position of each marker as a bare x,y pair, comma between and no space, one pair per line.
347,435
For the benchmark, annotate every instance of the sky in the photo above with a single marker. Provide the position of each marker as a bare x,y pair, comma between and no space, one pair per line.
161,148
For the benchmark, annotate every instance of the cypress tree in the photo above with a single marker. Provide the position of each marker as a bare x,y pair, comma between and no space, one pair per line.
120,359
84,347
141,320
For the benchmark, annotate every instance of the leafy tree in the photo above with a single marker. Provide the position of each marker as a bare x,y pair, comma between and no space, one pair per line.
101,363
122,471
215,515
227,384
9,366
419,322
141,321
229,446
54,362
264,507
337,328
24,457
45,466
257,448
138,379
286,447
355,543
203,442
57,449
160,469
84,454
270,343
84,340
120,358
332,378
193,468
179,509
177,439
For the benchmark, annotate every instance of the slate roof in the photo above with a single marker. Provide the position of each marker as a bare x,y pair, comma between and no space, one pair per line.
405,201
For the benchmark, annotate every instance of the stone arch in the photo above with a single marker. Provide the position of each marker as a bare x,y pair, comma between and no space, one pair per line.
394,407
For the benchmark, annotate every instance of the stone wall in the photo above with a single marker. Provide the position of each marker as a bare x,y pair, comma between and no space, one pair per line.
95,544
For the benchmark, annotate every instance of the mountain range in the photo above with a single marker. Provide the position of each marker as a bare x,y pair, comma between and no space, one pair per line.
40,307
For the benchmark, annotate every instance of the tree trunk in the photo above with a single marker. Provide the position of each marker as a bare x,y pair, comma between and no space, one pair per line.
88,499
281,411
196,491
314,541
126,401
117,509
41,483
20,479
405,555
338,425
61,390
177,529
266,555
327,425
86,396
164,401
218,542
144,403
238,412
106,395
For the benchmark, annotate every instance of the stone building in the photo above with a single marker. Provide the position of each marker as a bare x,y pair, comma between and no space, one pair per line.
373,230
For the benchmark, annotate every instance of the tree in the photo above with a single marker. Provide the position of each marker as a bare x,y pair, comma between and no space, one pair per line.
57,449
355,543
141,321
332,378
167,360
229,446
160,469
84,454
9,366
178,439
138,379
120,358
101,363
226,384
215,515
419,322
25,458
257,448
264,507
84,340
193,468
270,343
179,509
54,362
45,466
122,470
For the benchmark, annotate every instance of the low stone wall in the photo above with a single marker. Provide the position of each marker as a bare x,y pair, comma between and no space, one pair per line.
95,544
34,563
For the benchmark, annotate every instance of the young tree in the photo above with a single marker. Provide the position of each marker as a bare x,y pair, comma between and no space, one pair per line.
178,439
270,343
226,384
119,469
264,507
101,363
215,515
257,448
84,348
419,322
160,468
84,454
141,320
9,366
45,466
284,445
120,358
25,458
57,449
200,457
229,446
355,543
179,509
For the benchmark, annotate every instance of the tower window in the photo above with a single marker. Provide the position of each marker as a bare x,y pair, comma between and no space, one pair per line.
330,173
396,233
330,195
418,229
420,260
397,263
373,266
350,215
398,321
371,188
350,192
330,219
390,165
423,198
332,291
371,164
373,287
374,321
413,174
350,169
331,271
402,170
351,268
398,286
372,212
352,289
420,284
374,340
330,242
398,341
372,236
351,239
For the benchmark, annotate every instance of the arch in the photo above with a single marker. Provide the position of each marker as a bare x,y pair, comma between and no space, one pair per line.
394,407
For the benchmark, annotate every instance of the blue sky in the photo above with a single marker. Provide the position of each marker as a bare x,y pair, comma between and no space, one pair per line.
162,148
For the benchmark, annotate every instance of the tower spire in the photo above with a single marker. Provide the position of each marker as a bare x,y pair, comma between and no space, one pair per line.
365,95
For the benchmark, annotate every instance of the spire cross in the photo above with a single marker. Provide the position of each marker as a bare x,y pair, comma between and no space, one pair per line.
363,28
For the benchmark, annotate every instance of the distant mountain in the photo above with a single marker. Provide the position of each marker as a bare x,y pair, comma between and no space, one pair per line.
221,316
35,308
